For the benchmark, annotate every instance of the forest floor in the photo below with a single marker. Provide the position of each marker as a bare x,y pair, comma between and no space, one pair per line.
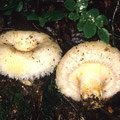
42,101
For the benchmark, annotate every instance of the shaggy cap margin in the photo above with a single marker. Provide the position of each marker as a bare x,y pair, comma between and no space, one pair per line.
27,55
90,69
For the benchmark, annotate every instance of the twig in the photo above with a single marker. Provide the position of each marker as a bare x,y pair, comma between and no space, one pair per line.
7,28
113,18
35,26
71,104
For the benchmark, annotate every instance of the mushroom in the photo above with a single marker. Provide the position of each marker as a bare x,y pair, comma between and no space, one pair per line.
27,55
89,72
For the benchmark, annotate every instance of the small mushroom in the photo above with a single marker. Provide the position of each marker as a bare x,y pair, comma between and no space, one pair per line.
89,72
27,55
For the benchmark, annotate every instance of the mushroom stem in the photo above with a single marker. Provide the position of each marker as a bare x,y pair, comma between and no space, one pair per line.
91,77
27,82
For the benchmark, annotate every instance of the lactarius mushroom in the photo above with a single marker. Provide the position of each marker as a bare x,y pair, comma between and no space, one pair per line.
27,55
89,72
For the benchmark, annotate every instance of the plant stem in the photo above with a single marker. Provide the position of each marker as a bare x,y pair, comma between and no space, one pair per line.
113,18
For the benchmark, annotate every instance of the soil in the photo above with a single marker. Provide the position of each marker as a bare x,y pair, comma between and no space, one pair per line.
42,100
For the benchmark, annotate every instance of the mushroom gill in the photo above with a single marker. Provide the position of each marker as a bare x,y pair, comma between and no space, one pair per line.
89,72
27,55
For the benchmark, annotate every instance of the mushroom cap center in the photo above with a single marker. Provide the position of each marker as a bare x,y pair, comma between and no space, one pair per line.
91,78
26,44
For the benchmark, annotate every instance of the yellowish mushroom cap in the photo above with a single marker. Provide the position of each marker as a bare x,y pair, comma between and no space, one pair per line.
26,55
90,70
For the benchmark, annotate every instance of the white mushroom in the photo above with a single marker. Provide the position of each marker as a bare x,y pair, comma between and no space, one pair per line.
90,70
27,55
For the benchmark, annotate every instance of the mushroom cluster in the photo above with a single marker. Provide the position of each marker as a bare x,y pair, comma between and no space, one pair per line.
27,55
89,72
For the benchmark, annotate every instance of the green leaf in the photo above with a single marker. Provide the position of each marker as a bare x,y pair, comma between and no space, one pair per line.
80,25
83,17
9,4
31,15
4,6
57,15
17,97
9,12
92,14
73,16
2,112
81,5
101,20
42,21
89,29
104,35
19,7
70,5
27,0
53,15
